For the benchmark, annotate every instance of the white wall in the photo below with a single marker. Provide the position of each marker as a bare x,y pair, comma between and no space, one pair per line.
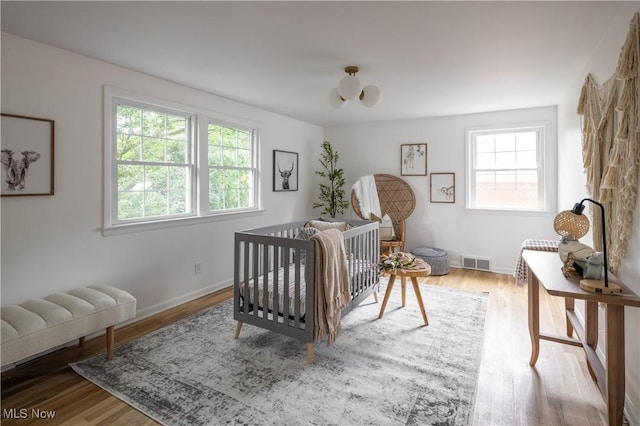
572,187
375,148
54,243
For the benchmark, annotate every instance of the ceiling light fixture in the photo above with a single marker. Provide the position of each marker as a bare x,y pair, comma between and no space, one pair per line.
350,88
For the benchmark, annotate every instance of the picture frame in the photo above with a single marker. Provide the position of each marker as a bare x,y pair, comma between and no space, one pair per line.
413,159
27,155
442,187
285,171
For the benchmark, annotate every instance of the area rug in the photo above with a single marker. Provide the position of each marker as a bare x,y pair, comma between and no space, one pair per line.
389,371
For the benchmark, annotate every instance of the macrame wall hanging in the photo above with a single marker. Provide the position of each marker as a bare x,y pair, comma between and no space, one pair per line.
611,146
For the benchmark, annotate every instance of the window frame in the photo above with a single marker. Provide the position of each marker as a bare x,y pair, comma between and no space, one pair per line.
199,202
542,130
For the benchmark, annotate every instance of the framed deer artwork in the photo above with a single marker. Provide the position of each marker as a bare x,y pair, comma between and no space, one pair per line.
285,171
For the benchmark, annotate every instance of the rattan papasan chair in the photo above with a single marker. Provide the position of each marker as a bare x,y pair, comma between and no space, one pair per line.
398,201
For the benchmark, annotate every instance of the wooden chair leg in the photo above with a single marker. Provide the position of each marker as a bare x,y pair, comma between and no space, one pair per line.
110,342
238,328
310,353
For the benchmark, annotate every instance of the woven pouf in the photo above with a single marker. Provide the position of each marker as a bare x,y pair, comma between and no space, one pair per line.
437,258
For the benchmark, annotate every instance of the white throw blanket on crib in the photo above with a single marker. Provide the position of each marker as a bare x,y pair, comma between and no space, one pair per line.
331,284
367,194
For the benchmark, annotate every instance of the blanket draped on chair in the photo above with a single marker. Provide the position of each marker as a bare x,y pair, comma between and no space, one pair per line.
367,195
331,284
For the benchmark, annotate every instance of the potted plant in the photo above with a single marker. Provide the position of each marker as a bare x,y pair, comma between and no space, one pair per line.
332,192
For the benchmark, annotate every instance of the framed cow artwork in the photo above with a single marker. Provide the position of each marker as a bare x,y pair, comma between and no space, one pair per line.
285,171
27,155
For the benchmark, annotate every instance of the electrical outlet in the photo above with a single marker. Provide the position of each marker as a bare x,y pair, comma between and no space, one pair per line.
196,268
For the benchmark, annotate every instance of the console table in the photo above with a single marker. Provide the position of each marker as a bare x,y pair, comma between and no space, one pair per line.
545,271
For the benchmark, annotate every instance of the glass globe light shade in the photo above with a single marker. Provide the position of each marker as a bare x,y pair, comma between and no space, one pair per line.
335,100
370,96
349,87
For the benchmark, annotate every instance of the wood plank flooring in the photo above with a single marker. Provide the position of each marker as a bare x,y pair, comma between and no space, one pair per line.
558,391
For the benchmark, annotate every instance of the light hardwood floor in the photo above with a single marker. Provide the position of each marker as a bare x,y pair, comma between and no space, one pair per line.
558,391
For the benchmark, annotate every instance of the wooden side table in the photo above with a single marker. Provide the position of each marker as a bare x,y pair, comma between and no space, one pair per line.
545,271
414,274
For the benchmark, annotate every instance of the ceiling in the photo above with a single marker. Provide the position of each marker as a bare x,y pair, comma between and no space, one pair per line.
428,58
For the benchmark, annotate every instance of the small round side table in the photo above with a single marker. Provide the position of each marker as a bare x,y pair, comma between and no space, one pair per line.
414,274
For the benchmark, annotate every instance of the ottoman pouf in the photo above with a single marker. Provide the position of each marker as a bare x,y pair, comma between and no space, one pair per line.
437,258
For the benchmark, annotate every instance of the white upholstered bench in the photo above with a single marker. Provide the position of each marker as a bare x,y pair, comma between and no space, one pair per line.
41,324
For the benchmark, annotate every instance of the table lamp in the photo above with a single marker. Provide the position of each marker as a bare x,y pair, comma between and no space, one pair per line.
573,223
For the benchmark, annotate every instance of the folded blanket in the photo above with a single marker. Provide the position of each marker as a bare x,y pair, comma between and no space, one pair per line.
531,244
331,284
366,193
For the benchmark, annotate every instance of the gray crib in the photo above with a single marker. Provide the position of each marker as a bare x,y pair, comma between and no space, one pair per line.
274,276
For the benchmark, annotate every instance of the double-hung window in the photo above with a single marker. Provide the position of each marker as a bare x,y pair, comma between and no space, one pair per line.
167,163
505,169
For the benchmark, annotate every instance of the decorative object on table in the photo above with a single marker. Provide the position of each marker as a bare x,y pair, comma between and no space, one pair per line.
413,159
396,199
27,155
443,187
437,258
572,225
399,261
219,381
285,171
332,194
350,89
610,153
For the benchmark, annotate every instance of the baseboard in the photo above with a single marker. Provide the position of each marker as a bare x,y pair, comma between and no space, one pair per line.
172,303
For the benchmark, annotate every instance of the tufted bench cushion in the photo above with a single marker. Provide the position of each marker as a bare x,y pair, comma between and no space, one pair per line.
40,324
437,258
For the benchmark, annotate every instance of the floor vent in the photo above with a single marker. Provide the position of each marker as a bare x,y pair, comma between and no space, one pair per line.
478,263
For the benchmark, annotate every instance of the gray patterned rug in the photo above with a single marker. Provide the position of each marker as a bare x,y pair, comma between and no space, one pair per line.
391,371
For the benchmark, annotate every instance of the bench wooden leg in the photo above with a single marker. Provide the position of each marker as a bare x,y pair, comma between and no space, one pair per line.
110,342
238,328
310,353
81,342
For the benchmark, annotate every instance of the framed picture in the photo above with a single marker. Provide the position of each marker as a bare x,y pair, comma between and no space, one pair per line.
27,155
285,171
413,159
443,187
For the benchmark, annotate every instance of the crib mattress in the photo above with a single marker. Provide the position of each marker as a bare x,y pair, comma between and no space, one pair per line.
355,267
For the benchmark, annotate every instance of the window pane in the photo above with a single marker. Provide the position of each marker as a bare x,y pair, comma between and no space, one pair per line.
153,124
526,141
485,143
244,140
505,160
505,142
130,205
130,178
128,120
526,159
152,149
485,160
155,203
128,147
156,178
177,128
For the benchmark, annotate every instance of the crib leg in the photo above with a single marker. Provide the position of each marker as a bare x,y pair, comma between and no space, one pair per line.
310,353
238,328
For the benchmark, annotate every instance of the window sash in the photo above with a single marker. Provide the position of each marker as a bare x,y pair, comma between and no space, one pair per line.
504,153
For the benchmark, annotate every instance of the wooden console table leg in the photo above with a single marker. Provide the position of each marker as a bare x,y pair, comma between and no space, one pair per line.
615,363
569,305
591,330
534,316
386,295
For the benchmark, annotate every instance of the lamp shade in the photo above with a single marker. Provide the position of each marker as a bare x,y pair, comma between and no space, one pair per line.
568,224
370,96
349,87
335,100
